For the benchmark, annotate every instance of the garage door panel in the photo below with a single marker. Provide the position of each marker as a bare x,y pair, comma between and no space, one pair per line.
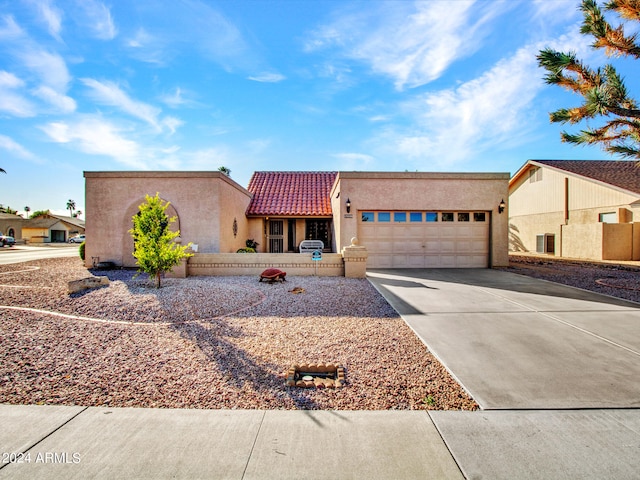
426,244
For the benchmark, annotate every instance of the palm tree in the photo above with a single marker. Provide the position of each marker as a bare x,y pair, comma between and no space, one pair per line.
27,210
225,170
71,205
2,170
78,213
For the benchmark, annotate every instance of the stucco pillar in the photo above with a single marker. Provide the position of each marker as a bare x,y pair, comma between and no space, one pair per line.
355,260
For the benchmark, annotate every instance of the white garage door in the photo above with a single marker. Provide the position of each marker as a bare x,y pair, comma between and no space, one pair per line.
425,239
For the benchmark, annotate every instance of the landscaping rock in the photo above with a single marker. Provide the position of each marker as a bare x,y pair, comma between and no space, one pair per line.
75,286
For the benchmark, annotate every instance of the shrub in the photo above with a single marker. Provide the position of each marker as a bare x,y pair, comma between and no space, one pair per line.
251,244
246,250
81,251
154,249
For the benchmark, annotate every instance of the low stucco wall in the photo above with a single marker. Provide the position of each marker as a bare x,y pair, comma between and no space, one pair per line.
331,265
598,241
617,241
582,241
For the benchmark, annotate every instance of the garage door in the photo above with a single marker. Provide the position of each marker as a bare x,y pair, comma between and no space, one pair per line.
425,239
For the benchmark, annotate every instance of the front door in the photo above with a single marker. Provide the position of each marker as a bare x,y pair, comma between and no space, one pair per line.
319,230
276,236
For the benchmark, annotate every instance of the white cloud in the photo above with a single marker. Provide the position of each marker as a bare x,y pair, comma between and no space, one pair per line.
413,43
176,99
267,77
108,93
50,15
96,16
11,101
50,67
172,123
452,125
10,30
95,136
555,11
14,148
9,80
61,102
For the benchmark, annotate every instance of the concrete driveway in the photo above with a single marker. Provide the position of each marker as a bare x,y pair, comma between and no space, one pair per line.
520,343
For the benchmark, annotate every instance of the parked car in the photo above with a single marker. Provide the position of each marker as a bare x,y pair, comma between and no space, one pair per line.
77,239
7,240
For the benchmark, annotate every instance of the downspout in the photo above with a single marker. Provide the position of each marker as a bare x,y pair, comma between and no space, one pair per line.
566,209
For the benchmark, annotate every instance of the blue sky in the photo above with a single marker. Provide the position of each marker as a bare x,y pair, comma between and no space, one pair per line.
275,85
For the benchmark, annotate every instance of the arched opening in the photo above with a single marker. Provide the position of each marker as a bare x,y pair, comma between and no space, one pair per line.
11,232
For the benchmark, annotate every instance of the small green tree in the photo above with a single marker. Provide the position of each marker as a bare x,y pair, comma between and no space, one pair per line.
154,248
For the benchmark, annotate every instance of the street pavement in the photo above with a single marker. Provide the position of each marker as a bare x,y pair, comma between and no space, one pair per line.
548,364
26,253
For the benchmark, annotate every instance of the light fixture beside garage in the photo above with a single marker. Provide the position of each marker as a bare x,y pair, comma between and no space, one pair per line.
348,204
501,206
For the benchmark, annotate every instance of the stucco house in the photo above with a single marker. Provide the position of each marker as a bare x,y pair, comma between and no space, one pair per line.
51,228
402,219
11,225
577,209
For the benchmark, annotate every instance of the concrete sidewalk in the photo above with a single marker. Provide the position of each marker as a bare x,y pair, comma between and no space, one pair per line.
51,442
132,443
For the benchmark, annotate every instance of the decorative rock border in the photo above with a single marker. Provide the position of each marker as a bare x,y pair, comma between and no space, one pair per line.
316,376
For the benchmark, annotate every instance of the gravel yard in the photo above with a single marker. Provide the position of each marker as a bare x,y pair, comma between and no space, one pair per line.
621,281
207,342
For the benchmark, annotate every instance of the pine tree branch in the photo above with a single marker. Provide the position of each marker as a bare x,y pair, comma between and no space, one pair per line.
613,40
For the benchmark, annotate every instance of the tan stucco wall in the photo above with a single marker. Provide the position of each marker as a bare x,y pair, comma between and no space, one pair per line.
205,203
15,223
617,241
582,241
523,231
294,264
422,191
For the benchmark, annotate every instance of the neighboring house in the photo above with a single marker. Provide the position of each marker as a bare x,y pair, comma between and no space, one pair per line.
577,209
50,228
11,225
404,219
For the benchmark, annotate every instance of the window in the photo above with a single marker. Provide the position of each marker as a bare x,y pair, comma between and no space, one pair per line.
609,217
463,216
367,216
479,217
415,216
447,216
399,216
431,217
535,175
384,216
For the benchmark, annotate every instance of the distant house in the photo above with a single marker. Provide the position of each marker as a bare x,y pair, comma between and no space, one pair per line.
11,225
577,209
50,228
404,219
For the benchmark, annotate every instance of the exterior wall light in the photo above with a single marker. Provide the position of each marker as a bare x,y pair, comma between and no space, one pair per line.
501,206
348,204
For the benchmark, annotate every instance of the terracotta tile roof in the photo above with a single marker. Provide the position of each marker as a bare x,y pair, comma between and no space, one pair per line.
291,193
619,173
